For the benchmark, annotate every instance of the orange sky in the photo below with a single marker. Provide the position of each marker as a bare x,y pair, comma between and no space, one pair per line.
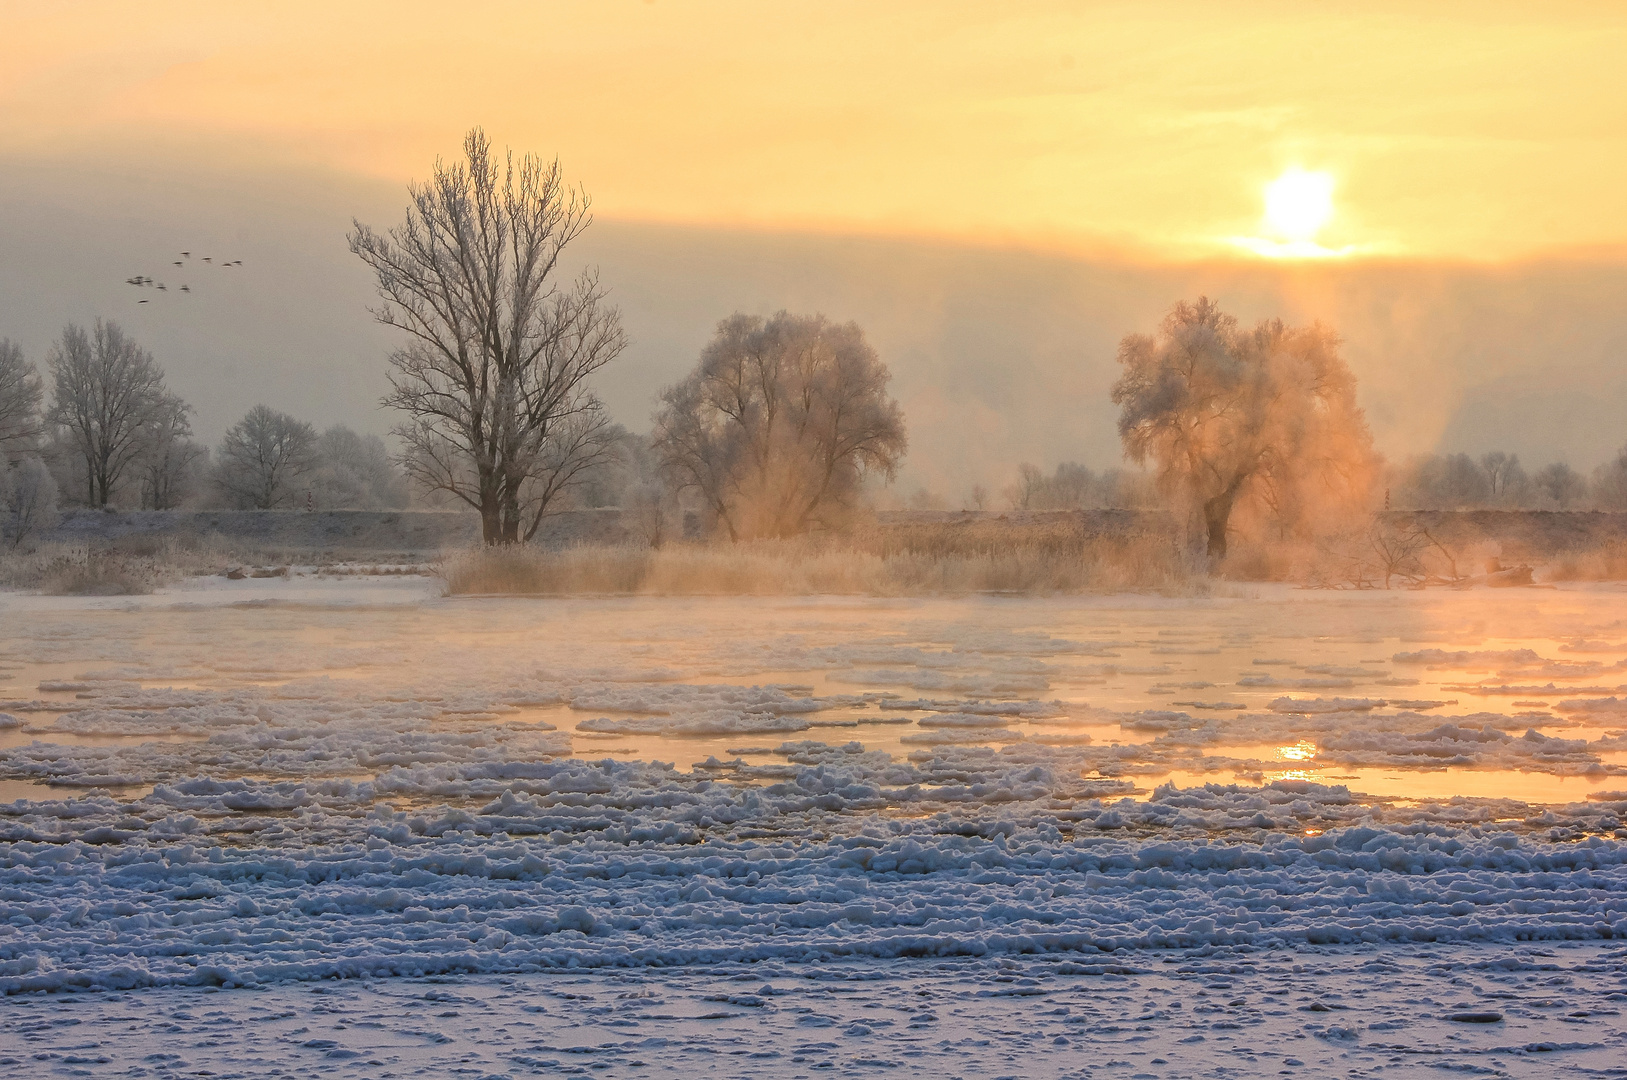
1478,131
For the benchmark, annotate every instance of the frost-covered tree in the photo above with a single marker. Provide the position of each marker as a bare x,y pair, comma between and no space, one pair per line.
493,377
1560,484
1076,487
1229,416
170,461
1023,493
1448,482
20,391
264,459
1505,476
1610,483
780,422
354,472
28,500
106,393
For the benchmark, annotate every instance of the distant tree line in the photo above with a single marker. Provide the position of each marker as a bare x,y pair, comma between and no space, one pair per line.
1493,481
100,428
1073,486
1498,480
782,427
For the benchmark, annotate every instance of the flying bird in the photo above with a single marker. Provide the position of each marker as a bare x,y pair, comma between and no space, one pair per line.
143,301
161,287
207,259
186,288
186,254
177,262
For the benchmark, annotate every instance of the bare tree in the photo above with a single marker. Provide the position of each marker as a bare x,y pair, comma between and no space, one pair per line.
20,392
28,500
1267,415
493,375
106,390
780,422
1021,494
170,460
263,458
1375,557
1503,473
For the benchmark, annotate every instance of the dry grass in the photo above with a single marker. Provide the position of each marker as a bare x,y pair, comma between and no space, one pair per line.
810,567
130,566
1607,562
86,572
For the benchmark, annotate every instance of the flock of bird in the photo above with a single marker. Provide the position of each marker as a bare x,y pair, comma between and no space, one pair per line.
144,282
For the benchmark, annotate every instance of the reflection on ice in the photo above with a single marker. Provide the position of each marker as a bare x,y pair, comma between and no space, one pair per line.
342,681
1303,750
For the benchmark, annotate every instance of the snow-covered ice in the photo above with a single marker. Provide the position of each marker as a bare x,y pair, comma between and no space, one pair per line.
1319,1012
762,837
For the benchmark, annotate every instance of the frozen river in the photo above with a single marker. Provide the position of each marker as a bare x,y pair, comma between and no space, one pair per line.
683,832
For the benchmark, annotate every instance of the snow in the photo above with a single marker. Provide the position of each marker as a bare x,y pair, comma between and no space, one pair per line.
593,832
1325,1011
582,865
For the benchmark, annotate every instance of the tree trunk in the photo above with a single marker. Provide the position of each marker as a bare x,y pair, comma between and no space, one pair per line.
511,508
1216,513
491,512
491,526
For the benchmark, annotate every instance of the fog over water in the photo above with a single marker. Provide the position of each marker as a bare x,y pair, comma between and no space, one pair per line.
1517,694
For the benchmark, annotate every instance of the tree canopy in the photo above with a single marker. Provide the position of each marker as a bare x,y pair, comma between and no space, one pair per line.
780,422
1264,417
108,393
20,393
264,459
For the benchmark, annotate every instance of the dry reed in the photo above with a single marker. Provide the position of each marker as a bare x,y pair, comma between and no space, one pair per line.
809,567
131,565
1606,562
88,572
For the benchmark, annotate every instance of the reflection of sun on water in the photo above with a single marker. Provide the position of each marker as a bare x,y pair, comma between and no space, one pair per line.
1303,750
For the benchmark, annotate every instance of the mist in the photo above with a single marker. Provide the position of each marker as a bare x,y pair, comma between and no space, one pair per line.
999,356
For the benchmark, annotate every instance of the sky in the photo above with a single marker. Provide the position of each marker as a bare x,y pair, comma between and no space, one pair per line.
996,193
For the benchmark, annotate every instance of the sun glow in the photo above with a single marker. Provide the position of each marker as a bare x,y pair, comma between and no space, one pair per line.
1298,204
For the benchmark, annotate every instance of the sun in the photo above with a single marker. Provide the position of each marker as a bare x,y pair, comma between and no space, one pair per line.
1299,203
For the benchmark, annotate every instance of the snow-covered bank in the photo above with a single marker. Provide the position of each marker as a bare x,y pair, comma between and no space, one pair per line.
1525,1011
